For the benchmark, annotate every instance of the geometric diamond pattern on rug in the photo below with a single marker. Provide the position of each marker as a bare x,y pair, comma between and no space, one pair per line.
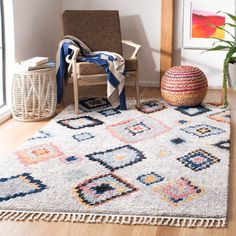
93,104
38,153
177,141
80,122
225,145
151,178
72,158
193,111
103,188
152,106
40,135
182,122
203,130
19,186
137,129
82,136
179,191
120,157
109,112
223,116
198,160
105,182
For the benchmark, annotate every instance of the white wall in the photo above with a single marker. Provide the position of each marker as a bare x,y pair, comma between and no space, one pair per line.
9,48
37,28
210,62
140,22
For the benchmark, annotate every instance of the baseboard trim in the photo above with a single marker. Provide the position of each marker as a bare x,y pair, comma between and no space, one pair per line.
157,85
214,87
144,84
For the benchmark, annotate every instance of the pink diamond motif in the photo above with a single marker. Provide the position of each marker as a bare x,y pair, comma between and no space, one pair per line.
179,191
138,129
38,153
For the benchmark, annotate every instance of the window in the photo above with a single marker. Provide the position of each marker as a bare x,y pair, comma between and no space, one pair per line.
2,60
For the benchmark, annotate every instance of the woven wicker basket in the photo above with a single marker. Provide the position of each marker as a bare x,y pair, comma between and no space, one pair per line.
34,95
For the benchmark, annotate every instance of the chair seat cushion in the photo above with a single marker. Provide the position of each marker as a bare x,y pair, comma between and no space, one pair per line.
86,68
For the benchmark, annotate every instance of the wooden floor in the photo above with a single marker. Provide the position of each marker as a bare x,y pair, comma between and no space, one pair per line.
13,133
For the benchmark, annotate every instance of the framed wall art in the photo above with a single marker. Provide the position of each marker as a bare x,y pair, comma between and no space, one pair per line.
198,18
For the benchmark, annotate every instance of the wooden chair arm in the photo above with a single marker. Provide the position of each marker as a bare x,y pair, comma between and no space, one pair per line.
133,45
76,51
72,61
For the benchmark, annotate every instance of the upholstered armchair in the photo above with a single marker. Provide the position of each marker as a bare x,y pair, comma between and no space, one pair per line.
100,31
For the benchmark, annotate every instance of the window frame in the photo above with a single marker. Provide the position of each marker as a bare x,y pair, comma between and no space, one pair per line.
3,56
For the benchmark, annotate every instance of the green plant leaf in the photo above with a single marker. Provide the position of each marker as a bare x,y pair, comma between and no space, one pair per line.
218,48
232,60
225,83
230,15
230,54
230,43
232,25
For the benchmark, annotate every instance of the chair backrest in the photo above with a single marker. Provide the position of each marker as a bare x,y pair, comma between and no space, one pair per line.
99,30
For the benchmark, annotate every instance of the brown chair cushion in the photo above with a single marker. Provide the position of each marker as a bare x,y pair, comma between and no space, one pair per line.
99,30
86,68
131,64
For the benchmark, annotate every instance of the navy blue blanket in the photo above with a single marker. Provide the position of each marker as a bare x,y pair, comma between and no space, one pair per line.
112,63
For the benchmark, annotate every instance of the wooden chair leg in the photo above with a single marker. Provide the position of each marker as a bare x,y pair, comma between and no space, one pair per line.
137,90
76,95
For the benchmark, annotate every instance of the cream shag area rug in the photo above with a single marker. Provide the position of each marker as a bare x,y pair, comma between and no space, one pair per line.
161,165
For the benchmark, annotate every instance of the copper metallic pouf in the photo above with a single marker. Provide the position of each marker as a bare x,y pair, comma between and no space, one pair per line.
184,86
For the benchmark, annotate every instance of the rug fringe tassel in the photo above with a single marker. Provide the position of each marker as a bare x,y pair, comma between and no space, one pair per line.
116,219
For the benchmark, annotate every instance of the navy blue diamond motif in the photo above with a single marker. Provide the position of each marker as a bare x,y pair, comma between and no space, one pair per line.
225,145
19,186
120,157
83,136
109,112
203,130
183,122
101,189
40,135
193,111
71,158
150,179
94,103
198,160
177,141
80,122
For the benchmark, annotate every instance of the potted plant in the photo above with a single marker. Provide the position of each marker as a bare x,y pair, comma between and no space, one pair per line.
229,67
232,73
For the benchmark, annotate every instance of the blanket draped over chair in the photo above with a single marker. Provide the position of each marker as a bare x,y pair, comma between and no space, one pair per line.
113,63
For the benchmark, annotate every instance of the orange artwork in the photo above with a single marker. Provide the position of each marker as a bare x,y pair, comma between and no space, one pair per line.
202,25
